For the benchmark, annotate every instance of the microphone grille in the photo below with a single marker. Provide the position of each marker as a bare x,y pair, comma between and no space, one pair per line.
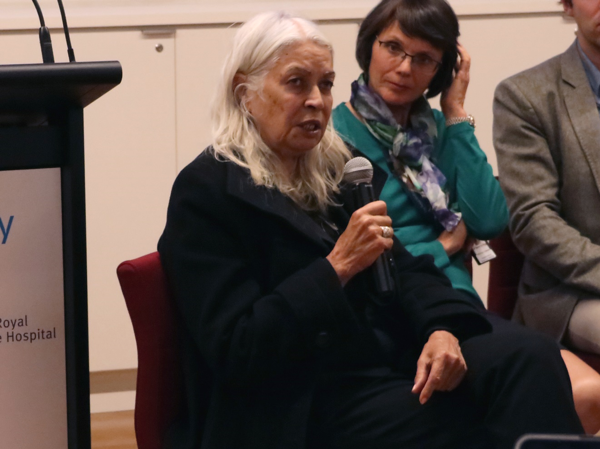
358,170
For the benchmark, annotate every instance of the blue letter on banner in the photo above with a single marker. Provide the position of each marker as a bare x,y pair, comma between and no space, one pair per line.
6,230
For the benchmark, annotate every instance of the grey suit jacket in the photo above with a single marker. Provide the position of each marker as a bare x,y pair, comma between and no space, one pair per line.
547,139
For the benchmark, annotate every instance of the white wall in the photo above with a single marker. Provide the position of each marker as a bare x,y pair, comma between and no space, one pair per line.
143,132
19,14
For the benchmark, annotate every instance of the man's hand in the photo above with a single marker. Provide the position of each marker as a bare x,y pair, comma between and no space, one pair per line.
441,366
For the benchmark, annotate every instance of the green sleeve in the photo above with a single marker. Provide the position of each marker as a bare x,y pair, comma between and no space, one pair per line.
471,179
433,248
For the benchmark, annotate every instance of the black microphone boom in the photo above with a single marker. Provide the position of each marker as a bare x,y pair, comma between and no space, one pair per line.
359,172
63,16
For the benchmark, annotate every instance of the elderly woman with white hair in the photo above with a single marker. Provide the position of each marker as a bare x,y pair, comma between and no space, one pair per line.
268,261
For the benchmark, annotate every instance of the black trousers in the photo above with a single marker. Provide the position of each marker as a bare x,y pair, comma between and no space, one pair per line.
516,383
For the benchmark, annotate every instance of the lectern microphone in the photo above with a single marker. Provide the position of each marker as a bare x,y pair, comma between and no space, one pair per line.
45,41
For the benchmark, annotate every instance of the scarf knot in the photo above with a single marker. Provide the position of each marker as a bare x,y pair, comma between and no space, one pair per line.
410,149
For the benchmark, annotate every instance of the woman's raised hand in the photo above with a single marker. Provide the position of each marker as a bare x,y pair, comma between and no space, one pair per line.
362,242
453,98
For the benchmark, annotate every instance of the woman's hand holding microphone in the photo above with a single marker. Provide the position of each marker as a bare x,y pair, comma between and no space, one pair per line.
363,241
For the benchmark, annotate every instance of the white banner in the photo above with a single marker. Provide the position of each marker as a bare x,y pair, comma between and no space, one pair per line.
33,411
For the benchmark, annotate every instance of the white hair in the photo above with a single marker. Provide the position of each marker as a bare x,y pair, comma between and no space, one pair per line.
256,48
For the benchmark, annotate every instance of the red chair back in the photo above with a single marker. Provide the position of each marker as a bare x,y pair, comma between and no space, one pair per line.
159,387
505,272
503,284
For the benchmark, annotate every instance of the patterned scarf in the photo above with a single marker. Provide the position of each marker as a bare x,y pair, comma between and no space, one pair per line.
409,149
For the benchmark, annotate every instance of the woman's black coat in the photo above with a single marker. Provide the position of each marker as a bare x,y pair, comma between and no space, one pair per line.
265,310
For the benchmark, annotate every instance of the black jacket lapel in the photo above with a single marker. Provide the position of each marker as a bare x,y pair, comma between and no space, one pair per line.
273,202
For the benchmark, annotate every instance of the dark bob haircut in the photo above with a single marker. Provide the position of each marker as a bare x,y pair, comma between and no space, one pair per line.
433,21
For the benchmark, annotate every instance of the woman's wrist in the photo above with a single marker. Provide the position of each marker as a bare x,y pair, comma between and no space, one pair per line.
456,120
454,113
447,245
340,269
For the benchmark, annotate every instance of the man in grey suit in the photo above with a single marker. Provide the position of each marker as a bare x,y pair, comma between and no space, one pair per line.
547,138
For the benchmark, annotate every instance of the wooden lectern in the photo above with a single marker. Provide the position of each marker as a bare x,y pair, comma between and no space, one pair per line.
41,127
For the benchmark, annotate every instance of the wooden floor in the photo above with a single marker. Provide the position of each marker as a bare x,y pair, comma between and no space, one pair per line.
113,430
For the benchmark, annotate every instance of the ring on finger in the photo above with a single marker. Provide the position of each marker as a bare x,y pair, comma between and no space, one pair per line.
387,232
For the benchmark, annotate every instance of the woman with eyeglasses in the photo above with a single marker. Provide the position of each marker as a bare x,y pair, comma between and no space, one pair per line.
440,190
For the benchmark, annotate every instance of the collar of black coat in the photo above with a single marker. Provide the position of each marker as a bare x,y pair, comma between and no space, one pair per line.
273,202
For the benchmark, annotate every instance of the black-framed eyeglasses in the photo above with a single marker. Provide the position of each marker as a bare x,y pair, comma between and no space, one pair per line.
420,62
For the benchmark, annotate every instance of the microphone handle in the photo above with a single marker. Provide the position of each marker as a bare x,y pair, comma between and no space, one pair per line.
46,45
384,285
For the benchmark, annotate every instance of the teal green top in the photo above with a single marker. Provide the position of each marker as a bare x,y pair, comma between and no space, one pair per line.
470,183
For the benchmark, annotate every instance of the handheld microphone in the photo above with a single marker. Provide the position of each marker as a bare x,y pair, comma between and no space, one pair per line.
359,172
45,41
